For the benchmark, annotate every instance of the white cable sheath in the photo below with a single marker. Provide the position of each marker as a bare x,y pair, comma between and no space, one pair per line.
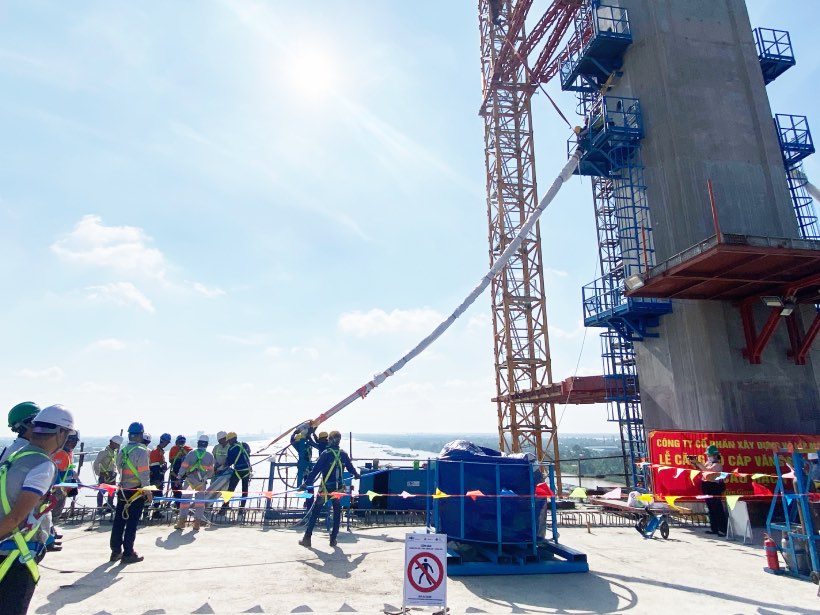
499,264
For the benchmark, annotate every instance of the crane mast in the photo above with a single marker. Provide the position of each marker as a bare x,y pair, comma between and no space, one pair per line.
521,338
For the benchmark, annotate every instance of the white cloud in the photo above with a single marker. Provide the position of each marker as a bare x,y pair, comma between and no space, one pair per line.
121,248
49,373
107,344
121,293
556,272
273,351
481,322
377,322
307,351
205,291
563,334
251,340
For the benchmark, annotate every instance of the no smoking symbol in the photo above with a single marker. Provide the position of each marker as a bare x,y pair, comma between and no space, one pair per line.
425,572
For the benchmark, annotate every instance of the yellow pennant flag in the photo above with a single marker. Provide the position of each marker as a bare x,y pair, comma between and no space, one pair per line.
731,500
373,494
757,476
646,497
671,499
693,474
226,495
578,492
439,494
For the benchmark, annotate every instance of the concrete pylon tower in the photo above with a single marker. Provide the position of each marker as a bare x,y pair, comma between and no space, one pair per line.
694,68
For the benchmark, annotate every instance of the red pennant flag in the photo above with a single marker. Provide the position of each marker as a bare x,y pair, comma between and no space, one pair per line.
542,490
759,489
475,493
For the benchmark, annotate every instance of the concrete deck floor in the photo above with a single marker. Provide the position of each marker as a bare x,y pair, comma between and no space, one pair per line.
251,570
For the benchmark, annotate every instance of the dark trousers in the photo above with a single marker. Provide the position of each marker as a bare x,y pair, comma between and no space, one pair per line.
16,589
717,513
317,509
124,530
245,477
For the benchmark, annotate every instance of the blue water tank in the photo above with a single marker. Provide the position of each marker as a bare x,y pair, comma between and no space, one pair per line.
391,483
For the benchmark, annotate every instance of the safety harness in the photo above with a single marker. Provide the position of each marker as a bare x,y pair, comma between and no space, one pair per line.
126,458
337,463
242,451
21,541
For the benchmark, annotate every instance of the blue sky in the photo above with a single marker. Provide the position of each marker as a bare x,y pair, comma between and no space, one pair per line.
232,216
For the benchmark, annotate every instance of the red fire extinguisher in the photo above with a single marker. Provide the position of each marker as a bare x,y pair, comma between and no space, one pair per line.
772,562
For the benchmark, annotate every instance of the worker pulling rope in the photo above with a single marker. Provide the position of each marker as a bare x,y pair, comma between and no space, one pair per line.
500,263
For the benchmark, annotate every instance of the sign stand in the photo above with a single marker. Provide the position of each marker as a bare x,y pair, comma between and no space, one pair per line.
425,571
739,523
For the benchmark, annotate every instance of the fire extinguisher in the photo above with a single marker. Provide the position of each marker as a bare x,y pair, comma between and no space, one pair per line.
772,562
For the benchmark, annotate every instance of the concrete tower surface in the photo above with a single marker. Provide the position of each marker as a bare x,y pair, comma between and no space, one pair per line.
694,68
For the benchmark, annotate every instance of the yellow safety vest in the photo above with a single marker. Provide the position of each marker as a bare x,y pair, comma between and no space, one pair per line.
20,540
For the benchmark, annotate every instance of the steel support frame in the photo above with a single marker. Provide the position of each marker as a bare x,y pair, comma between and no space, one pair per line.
756,342
801,345
521,340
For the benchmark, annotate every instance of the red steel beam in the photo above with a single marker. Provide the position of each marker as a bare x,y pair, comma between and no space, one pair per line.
756,343
800,348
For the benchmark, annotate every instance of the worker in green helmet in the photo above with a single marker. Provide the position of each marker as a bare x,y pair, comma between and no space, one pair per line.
25,480
20,422
713,484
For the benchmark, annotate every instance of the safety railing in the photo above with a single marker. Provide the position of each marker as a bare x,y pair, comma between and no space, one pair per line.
795,137
773,44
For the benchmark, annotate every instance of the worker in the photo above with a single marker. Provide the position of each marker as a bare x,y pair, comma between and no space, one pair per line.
239,458
713,485
64,463
132,465
21,418
196,469
329,468
495,12
27,476
319,442
157,468
813,473
105,469
175,457
300,441
220,451
146,439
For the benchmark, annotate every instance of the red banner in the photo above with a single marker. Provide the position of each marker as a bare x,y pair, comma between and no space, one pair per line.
748,453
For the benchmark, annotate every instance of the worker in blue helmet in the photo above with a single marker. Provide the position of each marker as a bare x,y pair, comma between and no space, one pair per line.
330,469
300,441
132,495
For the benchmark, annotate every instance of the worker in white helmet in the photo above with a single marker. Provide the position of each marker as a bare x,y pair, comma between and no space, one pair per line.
196,469
25,480
220,451
105,468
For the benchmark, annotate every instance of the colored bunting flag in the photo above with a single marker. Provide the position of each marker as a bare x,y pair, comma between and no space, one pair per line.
662,468
304,495
693,474
757,476
670,499
578,492
507,492
759,489
226,496
268,494
338,495
679,471
475,493
614,494
439,494
646,497
406,495
723,476
373,494
731,501
542,490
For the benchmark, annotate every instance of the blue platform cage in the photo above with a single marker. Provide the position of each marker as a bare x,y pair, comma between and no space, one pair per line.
774,51
795,137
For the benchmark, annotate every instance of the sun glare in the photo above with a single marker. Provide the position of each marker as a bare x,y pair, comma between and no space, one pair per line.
313,71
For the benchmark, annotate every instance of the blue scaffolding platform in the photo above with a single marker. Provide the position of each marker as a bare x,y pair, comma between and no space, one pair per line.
774,51
597,47
795,145
634,318
612,131
498,532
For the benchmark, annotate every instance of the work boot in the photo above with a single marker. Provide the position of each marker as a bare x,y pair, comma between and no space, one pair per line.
132,558
115,556
198,524
180,525
305,542
332,542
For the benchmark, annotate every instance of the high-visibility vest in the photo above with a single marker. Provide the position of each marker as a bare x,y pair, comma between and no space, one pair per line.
337,462
20,540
